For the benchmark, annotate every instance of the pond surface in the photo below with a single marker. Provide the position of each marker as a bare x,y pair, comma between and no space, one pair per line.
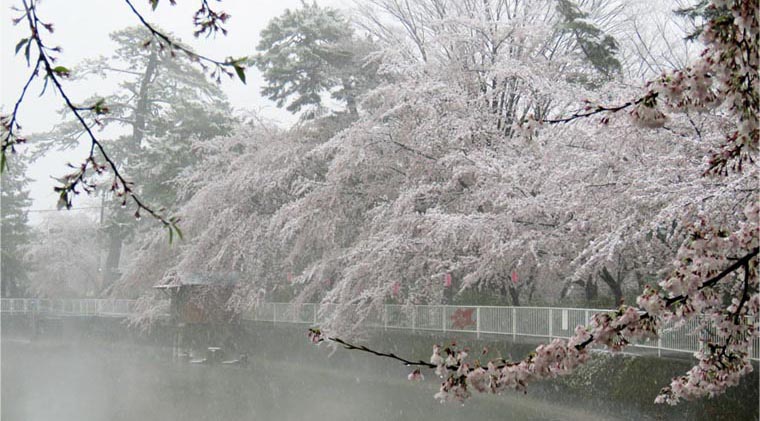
79,382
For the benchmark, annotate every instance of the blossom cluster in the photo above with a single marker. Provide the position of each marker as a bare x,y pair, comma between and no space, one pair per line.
728,73
315,335
548,361
727,330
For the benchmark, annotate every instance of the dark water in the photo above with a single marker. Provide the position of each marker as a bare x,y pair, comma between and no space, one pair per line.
79,382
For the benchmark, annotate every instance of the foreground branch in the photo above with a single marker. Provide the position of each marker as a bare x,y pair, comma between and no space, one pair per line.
613,330
98,161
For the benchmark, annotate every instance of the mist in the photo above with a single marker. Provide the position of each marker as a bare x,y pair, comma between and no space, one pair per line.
380,210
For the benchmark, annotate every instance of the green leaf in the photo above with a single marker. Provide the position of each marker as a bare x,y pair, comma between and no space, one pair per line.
27,53
61,70
171,235
154,4
3,163
100,107
179,232
240,72
45,85
21,44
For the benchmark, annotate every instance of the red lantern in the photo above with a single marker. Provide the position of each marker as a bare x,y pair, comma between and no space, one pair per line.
447,280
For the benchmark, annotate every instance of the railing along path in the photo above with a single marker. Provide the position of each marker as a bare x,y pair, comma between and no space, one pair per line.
537,322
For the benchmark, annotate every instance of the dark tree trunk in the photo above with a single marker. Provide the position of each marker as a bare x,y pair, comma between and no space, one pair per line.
116,233
615,285
142,109
351,106
115,241
514,295
591,290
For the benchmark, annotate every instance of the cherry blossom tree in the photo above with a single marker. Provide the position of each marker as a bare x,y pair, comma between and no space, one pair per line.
63,257
717,259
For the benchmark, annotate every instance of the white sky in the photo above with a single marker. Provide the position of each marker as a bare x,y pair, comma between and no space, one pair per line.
82,28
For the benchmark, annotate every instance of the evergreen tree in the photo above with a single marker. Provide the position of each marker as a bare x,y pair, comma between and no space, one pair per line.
15,231
162,105
597,47
309,52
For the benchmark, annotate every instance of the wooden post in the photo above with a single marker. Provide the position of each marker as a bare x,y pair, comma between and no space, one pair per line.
477,321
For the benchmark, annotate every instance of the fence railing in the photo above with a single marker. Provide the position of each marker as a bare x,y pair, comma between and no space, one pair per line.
539,322
71,307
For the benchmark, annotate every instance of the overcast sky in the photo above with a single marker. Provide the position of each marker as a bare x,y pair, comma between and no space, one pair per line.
82,28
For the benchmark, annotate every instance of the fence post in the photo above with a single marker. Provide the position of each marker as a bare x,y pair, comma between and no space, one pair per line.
443,318
551,323
477,321
314,310
385,316
514,324
752,342
659,346
274,313
414,319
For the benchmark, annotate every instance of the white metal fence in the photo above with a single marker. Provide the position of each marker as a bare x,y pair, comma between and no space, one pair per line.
80,307
539,322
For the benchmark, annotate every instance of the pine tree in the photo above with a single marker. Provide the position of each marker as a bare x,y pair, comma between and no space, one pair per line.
597,47
312,51
15,231
161,107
